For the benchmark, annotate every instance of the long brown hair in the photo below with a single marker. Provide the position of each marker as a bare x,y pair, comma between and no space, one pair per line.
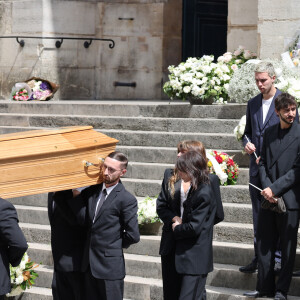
183,147
195,166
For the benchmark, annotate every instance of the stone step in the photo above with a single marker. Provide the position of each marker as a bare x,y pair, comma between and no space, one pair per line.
36,233
36,293
138,288
156,171
238,213
224,276
224,252
142,188
221,293
155,138
213,293
121,123
234,212
236,233
229,276
168,155
163,109
167,139
32,214
136,264
146,187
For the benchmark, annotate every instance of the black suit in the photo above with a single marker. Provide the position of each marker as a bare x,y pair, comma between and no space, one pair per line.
167,208
67,242
194,253
280,170
254,131
115,227
12,243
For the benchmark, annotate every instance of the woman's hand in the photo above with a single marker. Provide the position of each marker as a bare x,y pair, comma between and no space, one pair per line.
177,219
175,224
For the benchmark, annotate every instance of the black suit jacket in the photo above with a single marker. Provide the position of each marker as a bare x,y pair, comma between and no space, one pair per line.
168,207
12,243
194,253
115,227
67,237
255,127
279,164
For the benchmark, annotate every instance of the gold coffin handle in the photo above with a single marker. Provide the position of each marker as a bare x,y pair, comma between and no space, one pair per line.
88,164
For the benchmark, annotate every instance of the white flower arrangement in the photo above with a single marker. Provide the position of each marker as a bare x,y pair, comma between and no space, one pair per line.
240,128
203,78
23,276
198,78
147,211
242,86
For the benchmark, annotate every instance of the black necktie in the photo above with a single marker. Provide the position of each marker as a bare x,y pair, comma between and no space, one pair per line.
100,203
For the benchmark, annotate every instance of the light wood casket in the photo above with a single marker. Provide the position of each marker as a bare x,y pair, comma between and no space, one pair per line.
40,161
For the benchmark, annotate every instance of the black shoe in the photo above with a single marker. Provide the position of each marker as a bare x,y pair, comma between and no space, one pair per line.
280,296
251,268
257,294
296,274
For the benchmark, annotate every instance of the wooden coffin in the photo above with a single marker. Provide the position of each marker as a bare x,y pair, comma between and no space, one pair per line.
40,161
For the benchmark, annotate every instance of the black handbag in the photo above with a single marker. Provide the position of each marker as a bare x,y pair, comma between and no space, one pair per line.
278,207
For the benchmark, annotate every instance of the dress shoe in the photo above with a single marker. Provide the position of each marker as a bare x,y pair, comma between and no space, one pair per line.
251,268
280,296
257,294
296,274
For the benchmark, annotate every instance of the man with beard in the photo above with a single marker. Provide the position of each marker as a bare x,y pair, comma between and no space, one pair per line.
260,115
279,171
110,214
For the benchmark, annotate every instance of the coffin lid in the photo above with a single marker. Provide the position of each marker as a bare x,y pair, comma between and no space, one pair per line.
45,141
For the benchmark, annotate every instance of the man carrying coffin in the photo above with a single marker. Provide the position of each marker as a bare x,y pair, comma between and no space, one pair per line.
67,243
110,214
12,244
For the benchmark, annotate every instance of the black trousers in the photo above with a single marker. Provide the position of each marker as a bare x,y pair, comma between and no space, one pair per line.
1,297
102,289
68,285
256,202
256,207
272,226
193,287
171,279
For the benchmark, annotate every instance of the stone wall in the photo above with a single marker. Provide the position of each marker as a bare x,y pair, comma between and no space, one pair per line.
242,24
147,34
263,26
278,22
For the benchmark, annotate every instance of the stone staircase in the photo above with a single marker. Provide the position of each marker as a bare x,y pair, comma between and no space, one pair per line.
148,134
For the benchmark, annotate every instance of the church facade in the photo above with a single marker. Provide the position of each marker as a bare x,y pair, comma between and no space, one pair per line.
149,36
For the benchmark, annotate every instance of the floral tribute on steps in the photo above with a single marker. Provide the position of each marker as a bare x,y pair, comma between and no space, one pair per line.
37,89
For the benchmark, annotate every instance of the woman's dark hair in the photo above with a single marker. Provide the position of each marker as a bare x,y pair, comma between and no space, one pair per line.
195,166
284,100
